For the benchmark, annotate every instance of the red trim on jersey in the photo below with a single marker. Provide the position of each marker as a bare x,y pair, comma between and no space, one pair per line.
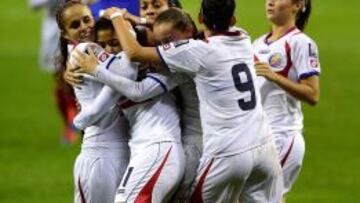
129,103
196,197
82,195
229,33
283,161
266,40
289,63
256,59
145,195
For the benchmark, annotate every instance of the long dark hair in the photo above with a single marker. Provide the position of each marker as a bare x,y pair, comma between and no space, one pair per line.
217,14
63,43
180,20
303,15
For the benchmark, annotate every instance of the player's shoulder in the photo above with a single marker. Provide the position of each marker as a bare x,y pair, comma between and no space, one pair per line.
300,38
259,40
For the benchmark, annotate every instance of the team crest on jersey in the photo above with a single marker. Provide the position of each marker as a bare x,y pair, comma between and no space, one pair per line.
276,60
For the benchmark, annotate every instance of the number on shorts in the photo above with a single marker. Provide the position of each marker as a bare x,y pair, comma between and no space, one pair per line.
244,86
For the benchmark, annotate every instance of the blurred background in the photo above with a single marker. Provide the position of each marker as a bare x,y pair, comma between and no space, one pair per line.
36,167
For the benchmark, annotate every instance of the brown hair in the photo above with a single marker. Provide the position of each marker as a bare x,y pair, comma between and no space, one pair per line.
181,20
303,15
60,63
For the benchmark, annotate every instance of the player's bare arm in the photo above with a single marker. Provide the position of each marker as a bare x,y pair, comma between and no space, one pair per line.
131,47
306,90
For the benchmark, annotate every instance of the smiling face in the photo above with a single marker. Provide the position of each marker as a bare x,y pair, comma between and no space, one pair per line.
280,11
78,23
108,40
150,9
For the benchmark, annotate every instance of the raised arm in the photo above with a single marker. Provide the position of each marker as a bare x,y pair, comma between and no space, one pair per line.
131,47
151,86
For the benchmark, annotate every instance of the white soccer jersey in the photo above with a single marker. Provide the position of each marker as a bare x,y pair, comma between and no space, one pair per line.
294,56
152,121
230,105
110,125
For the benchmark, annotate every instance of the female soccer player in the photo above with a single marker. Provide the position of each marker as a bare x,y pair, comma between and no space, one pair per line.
170,23
104,154
289,63
239,157
157,159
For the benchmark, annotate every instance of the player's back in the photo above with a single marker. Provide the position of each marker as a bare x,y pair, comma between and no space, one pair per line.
153,121
232,116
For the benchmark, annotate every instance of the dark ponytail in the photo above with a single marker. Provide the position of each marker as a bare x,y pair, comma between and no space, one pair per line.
63,43
217,14
303,15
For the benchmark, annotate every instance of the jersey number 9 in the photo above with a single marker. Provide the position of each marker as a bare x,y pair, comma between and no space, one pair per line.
244,86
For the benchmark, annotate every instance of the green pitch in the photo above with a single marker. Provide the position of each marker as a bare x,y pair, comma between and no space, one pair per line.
35,168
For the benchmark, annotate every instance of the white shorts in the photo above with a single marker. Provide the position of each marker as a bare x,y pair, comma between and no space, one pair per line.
153,174
291,150
251,176
193,152
97,177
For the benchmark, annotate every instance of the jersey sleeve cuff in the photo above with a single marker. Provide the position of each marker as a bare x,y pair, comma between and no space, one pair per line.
162,58
163,86
309,74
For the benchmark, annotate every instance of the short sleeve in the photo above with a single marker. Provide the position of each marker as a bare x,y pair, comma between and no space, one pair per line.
183,56
169,81
305,57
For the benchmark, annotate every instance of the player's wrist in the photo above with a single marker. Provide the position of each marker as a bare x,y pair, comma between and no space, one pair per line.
116,15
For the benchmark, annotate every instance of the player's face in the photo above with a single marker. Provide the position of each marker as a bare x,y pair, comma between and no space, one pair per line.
78,23
108,40
280,11
165,33
150,9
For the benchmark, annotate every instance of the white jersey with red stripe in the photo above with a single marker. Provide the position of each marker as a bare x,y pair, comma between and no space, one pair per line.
110,126
154,121
232,117
294,56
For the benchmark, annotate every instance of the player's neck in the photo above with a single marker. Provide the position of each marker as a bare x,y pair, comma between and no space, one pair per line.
277,31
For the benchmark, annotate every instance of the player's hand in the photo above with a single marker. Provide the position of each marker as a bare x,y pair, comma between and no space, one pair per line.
263,69
71,75
108,12
87,63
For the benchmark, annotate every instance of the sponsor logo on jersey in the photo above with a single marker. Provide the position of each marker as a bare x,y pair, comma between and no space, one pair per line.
312,51
180,43
103,56
120,191
276,60
264,51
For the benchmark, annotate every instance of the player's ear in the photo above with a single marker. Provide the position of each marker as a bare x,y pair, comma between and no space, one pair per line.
299,5
65,35
232,21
